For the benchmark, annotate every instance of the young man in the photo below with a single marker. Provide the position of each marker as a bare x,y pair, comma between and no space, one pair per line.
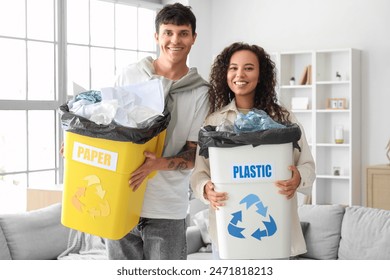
161,232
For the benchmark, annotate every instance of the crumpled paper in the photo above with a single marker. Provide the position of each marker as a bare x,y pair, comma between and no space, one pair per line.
138,104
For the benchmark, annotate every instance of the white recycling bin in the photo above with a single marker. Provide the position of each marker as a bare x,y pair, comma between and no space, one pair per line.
255,223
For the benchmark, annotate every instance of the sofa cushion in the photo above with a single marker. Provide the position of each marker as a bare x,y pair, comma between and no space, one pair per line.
370,229
323,235
36,234
194,240
4,252
304,227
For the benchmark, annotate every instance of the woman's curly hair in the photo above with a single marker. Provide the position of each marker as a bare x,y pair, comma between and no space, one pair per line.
220,94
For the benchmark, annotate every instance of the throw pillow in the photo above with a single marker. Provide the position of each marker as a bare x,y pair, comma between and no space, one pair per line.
36,234
365,234
304,226
323,235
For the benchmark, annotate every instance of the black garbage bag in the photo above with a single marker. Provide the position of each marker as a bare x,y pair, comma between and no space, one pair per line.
208,137
113,131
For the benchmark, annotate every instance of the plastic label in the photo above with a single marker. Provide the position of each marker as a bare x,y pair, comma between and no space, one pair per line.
252,171
94,156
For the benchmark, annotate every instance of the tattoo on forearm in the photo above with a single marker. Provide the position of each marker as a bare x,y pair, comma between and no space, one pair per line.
187,155
171,164
182,165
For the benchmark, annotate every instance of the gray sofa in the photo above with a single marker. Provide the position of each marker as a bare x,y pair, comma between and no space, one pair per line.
34,235
39,235
331,232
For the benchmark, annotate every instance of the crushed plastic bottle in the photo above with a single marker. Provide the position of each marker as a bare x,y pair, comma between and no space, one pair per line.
255,120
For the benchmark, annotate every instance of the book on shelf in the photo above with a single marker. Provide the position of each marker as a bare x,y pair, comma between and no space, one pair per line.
306,76
309,74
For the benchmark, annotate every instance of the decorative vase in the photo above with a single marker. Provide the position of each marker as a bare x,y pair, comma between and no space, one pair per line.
339,134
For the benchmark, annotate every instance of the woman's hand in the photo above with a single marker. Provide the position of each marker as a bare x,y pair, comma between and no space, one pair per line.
216,198
289,187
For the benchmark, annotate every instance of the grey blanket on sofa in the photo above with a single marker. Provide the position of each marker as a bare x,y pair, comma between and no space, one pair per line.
84,246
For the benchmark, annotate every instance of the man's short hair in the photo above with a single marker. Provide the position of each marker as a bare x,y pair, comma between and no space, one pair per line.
176,14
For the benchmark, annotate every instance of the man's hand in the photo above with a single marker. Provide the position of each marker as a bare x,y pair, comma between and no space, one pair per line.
62,149
185,159
139,175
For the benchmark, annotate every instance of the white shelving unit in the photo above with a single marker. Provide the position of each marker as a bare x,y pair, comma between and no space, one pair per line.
323,93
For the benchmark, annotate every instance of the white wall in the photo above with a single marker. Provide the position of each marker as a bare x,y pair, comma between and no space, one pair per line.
201,50
282,25
13,199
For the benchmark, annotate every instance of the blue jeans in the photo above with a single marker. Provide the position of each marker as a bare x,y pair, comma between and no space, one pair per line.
151,239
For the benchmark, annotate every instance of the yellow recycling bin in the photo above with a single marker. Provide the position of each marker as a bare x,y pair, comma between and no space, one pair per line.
97,198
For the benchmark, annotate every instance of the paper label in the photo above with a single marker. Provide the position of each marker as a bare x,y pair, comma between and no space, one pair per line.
95,156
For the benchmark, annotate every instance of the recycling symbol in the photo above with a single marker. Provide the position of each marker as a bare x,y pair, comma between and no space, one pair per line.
258,212
91,198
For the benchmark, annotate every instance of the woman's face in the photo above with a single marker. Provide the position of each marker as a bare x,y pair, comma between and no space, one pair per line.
243,74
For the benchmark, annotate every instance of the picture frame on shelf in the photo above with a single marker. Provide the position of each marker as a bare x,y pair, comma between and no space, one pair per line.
342,103
336,103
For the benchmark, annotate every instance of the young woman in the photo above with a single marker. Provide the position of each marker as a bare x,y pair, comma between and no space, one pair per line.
243,77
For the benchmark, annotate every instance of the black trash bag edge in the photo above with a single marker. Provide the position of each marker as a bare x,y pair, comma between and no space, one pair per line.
74,123
208,137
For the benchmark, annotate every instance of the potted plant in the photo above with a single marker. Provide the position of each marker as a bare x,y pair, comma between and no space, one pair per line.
292,81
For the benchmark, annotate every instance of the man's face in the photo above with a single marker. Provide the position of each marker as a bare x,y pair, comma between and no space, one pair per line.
175,42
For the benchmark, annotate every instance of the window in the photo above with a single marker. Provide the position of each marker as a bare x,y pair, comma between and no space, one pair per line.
47,48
